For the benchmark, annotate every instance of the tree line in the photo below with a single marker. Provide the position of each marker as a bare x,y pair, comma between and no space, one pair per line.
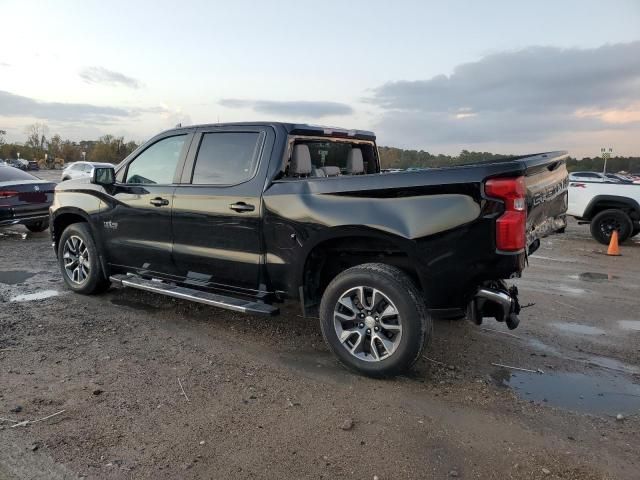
107,148
391,157
112,149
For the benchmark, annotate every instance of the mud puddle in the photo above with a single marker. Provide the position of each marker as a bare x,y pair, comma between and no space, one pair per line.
595,277
585,358
578,328
633,325
600,394
13,277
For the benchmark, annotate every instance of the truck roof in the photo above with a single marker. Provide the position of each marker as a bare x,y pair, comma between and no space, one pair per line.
297,129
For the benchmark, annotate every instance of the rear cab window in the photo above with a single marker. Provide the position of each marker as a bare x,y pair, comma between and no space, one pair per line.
331,157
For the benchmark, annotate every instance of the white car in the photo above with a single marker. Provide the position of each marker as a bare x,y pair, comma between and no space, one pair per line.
594,177
606,206
81,170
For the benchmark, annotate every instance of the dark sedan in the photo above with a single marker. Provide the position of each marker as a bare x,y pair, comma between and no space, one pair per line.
24,199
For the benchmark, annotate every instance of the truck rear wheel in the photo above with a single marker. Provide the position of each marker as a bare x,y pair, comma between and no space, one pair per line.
605,222
374,320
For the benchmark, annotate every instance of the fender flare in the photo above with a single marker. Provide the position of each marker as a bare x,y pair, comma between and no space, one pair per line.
403,245
92,226
614,201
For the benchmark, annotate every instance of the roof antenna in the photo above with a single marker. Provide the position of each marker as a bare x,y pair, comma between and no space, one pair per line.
178,125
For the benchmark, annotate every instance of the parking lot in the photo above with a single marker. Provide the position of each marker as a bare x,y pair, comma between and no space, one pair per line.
151,387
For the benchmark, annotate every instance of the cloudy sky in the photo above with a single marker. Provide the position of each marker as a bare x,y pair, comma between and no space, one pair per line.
501,76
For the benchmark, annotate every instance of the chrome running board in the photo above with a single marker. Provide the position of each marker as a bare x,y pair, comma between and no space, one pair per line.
193,295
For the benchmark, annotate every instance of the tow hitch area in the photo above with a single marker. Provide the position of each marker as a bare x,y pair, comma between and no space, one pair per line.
495,300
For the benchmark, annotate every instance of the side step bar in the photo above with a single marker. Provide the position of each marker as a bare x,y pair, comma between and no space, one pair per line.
221,301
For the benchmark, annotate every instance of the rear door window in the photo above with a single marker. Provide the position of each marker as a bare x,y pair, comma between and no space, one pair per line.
226,158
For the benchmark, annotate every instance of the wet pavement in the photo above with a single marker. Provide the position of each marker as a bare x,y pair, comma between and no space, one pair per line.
12,277
599,393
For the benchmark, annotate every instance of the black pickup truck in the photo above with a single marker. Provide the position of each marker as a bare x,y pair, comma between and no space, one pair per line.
244,216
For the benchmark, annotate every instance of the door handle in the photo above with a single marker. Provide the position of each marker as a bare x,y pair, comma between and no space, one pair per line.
242,207
159,202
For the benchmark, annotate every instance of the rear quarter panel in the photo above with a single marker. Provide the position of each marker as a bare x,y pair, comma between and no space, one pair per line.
438,218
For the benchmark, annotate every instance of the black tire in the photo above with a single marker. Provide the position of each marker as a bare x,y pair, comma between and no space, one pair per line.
603,224
94,282
37,227
636,231
416,323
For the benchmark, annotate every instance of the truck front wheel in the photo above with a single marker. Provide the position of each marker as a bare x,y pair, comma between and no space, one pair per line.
374,319
605,222
78,259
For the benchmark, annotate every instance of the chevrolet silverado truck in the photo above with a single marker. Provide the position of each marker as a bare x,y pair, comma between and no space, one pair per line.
245,216
605,206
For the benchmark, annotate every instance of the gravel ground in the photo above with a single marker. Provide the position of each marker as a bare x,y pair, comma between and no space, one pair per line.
263,398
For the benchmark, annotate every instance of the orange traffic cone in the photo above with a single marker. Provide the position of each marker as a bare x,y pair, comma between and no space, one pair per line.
613,249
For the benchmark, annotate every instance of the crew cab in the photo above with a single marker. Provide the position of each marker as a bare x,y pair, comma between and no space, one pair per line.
245,216
607,207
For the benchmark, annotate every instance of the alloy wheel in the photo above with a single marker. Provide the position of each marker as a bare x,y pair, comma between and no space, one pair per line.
367,324
76,259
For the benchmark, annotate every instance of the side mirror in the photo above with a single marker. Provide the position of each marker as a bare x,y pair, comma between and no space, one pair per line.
104,176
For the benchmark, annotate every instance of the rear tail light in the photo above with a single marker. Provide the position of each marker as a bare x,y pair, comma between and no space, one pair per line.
7,193
511,225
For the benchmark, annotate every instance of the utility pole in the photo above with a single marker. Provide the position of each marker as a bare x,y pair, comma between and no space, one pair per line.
606,155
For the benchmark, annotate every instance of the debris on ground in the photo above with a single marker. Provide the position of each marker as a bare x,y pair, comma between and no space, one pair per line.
518,368
28,422
182,388
347,424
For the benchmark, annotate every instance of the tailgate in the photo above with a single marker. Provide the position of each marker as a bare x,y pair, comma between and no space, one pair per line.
546,179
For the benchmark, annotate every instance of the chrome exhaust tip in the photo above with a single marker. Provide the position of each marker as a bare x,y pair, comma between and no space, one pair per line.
501,298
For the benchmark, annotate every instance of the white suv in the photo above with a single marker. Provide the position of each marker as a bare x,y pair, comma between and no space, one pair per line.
81,170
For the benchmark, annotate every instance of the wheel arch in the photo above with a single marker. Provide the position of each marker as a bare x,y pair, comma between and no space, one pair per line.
341,248
66,216
62,218
605,202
